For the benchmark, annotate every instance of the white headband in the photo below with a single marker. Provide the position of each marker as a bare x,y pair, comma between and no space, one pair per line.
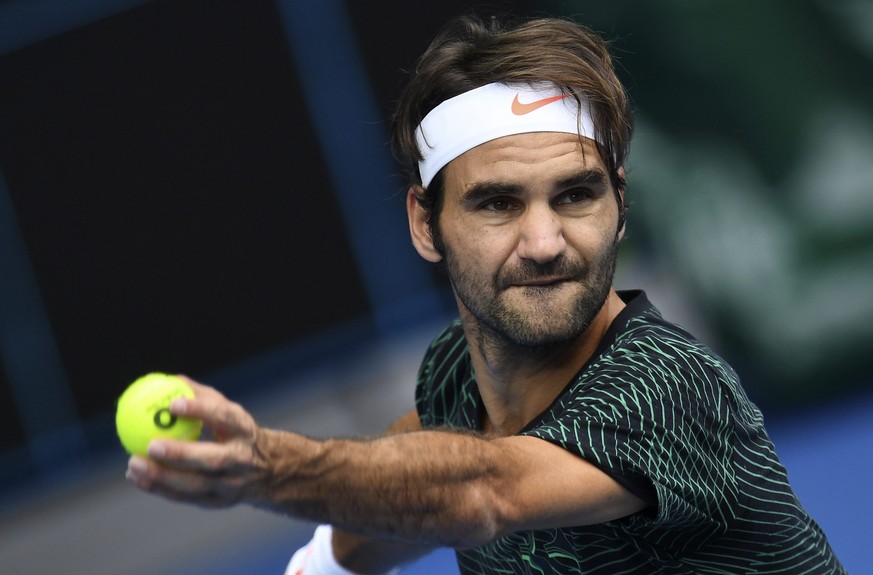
493,111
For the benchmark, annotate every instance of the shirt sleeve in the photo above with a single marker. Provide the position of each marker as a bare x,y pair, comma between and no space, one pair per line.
654,416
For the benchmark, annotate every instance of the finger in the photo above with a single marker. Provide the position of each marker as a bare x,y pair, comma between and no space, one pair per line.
201,456
225,417
182,485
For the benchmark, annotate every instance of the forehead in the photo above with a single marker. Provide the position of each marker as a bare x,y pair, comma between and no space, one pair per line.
532,156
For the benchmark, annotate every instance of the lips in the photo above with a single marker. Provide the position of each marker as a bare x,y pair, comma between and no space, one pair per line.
532,275
540,282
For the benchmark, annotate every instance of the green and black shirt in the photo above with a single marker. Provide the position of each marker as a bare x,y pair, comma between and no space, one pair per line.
662,414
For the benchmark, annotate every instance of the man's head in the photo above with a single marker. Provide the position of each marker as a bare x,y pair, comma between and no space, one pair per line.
470,53
513,140
530,224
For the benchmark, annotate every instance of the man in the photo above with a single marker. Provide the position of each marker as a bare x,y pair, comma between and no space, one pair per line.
560,426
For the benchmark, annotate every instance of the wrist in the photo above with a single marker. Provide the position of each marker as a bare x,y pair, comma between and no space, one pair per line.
284,464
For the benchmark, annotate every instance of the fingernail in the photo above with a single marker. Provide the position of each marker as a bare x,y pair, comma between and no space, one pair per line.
179,406
156,449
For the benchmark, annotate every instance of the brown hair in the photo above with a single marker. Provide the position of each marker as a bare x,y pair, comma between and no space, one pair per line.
470,52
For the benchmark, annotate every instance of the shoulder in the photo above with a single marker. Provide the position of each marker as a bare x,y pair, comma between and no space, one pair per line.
646,344
649,365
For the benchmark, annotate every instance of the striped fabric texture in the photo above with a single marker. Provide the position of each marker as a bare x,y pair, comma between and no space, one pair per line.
666,417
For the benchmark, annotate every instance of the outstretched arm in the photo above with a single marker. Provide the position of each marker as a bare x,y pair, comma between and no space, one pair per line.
429,487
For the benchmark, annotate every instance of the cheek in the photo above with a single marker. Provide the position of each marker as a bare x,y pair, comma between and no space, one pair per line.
490,247
593,244
477,248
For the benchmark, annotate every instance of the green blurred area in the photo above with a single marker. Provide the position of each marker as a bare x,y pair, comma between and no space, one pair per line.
751,178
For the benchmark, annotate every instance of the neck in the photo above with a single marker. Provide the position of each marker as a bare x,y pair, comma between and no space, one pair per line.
518,382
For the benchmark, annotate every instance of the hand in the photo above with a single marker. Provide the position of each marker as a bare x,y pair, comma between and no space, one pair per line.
214,473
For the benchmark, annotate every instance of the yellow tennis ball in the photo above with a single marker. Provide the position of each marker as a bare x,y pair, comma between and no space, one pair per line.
144,412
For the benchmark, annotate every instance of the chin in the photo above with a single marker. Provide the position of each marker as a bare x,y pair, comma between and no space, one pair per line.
548,337
549,323
541,327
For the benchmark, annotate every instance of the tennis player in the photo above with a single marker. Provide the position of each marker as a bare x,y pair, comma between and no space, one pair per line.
561,427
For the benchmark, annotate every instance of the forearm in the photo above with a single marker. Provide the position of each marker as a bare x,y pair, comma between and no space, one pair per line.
428,487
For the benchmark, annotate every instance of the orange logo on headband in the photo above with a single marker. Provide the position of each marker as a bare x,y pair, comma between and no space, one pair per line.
520,109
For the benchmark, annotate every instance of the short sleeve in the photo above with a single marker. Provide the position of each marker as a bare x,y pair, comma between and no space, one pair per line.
652,412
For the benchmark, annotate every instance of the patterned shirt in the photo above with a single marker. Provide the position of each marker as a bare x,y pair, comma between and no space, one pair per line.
667,418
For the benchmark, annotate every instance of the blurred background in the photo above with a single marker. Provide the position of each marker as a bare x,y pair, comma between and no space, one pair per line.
204,186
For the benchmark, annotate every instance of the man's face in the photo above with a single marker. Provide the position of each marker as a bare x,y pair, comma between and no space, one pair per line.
529,233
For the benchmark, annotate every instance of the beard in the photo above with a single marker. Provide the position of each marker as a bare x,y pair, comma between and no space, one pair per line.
532,316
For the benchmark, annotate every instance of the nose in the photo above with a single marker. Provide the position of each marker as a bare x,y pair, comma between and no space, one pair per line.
541,237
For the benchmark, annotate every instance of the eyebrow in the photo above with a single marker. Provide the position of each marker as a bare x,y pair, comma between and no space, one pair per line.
588,177
593,177
483,190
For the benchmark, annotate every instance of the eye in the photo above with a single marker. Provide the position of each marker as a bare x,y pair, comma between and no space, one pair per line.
573,197
498,205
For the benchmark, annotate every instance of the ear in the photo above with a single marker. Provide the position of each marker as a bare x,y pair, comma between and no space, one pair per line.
419,228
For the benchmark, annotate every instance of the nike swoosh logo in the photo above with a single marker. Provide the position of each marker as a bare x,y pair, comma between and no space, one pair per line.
520,109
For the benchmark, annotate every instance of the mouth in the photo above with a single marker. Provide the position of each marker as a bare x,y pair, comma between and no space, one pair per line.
541,282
